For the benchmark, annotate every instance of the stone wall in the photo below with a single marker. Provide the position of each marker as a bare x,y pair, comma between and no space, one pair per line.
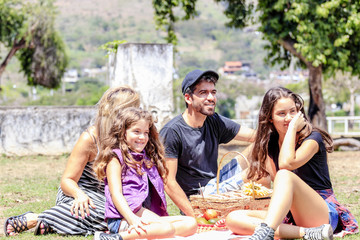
148,68
42,130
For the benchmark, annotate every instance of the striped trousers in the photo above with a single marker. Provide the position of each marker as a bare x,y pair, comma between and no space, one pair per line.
61,221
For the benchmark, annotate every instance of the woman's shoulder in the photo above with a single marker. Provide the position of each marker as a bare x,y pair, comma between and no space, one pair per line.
91,131
87,140
316,136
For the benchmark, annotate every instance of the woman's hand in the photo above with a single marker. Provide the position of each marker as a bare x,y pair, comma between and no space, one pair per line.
80,156
298,122
81,203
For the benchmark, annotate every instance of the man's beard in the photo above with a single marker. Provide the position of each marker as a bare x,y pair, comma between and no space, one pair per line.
205,110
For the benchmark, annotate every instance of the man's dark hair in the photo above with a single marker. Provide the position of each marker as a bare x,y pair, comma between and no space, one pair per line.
206,78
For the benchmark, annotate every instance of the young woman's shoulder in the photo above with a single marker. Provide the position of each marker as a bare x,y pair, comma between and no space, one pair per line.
315,135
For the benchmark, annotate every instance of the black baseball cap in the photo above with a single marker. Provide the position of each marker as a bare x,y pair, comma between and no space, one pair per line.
195,75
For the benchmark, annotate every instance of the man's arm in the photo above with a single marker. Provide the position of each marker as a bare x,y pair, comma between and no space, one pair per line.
174,191
245,134
270,166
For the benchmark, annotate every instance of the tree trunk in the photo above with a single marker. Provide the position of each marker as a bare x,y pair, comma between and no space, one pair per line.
16,46
352,107
317,105
351,143
316,110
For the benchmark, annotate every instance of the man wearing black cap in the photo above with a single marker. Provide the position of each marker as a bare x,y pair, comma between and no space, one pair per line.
192,139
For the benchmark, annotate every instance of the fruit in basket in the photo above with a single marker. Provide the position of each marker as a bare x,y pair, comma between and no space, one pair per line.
201,220
213,220
210,213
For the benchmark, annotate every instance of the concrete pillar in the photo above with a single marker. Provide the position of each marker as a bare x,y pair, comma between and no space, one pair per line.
148,69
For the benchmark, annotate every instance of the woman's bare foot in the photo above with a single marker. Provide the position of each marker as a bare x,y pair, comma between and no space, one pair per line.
31,221
43,228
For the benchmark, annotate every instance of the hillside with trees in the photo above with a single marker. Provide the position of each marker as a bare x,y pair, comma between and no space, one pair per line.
84,26
322,35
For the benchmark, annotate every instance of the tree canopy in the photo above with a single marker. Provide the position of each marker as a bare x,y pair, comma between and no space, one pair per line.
27,31
323,34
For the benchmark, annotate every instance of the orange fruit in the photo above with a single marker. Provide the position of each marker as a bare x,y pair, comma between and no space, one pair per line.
210,213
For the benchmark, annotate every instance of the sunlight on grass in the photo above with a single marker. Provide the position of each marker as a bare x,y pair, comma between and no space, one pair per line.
30,184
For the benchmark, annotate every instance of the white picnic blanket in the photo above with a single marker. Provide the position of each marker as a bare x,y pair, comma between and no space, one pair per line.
211,235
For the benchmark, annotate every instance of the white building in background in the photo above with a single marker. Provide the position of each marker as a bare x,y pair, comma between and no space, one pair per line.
71,76
247,108
288,76
94,72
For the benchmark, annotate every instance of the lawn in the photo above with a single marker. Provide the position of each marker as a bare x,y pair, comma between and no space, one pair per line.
31,182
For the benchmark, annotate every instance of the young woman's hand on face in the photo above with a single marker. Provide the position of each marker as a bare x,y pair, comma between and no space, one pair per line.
298,122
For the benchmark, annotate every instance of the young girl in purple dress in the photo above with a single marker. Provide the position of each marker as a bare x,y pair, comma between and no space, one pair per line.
131,163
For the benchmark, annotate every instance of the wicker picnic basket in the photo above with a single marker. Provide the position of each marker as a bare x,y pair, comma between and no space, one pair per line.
226,202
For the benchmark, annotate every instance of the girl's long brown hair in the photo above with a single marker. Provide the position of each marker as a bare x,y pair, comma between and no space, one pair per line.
259,153
121,121
113,100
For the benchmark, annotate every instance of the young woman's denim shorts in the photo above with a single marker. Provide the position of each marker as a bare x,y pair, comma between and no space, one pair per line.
333,216
113,224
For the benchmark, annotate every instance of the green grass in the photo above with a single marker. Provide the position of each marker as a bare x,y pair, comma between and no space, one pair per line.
31,183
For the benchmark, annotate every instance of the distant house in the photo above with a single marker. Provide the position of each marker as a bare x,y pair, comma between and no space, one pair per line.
232,68
71,76
94,72
286,77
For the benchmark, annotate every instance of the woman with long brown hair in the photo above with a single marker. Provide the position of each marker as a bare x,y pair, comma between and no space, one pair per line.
79,208
293,153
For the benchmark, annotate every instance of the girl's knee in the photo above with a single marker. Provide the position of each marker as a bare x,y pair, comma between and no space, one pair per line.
185,226
234,217
284,174
167,229
192,225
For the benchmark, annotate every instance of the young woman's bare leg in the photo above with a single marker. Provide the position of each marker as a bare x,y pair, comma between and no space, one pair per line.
308,208
290,192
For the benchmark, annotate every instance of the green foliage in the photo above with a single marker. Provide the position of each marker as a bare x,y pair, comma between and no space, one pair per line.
28,30
226,107
165,16
339,113
238,12
11,20
299,88
85,92
323,33
111,47
89,91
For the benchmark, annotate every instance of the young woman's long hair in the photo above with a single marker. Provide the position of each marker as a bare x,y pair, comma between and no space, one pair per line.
113,100
121,121
259,153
